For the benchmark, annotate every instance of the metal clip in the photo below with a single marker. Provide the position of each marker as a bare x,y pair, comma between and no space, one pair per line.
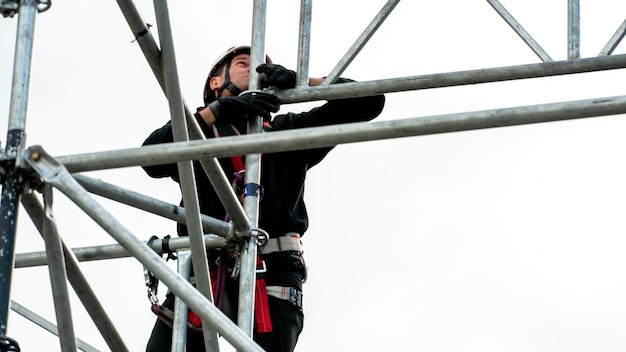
152,296
236,267
262,269
261,236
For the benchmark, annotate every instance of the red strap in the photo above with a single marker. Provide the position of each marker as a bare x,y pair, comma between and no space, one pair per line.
194,319
194,323
261,305
237,160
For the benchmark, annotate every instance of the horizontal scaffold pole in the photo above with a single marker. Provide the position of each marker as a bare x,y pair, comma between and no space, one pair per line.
152,205
452,79
114,251
307,138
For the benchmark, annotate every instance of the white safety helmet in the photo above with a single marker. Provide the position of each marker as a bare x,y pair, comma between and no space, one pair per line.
226,58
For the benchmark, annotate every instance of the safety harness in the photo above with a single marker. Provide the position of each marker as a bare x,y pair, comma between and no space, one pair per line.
227,263
242,190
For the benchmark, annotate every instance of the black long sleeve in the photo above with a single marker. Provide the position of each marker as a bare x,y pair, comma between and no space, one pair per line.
283,175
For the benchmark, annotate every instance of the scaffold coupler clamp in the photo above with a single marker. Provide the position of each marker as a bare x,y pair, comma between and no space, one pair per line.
255,92
7,344
235,239
9,8
260,236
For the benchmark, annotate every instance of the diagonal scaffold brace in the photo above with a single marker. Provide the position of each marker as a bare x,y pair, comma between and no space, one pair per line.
58,176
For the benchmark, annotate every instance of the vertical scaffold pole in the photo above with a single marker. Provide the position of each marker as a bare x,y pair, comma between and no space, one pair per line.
573,29
179,326
11,187
252,180
304,43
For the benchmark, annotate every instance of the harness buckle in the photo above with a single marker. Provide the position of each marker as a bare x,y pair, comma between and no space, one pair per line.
262,269
290,294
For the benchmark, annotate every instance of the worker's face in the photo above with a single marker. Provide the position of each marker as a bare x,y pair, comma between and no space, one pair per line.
239,74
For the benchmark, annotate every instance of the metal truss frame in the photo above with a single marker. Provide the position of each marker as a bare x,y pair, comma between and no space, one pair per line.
28,171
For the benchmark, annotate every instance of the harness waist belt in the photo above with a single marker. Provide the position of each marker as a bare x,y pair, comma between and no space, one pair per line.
287,243
290,294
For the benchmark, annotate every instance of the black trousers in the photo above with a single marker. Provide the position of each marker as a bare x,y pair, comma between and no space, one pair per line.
283,269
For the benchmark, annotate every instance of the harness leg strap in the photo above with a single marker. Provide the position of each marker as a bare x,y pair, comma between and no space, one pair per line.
261,304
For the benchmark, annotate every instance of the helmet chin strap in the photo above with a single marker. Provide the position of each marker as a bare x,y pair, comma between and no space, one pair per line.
228,84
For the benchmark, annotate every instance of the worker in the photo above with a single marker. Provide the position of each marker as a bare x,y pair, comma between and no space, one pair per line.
282,212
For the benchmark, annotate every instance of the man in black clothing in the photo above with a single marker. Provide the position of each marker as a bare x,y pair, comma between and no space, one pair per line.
282,212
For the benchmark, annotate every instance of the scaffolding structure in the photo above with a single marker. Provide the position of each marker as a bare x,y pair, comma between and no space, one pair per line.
27,172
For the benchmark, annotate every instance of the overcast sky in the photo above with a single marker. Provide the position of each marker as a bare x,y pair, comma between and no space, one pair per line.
500,239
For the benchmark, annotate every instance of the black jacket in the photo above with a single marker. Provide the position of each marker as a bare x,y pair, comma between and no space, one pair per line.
283,174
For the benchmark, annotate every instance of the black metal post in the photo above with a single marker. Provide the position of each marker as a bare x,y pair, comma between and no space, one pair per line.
11,182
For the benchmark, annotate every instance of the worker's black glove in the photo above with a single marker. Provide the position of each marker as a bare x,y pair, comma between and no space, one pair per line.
238,109
277,76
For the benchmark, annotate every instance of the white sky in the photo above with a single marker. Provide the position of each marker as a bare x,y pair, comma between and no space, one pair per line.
501,239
